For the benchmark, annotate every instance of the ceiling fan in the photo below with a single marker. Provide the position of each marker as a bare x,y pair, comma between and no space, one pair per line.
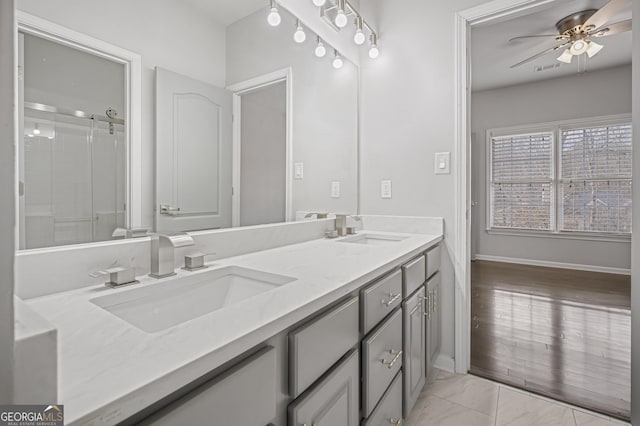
577,31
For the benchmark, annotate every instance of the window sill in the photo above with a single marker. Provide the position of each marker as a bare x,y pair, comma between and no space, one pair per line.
588,236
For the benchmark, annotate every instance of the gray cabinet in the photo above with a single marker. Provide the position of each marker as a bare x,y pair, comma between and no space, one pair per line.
381,360
389,411
380,299
224,399
414,273
318,344
414,342
335,400
433,317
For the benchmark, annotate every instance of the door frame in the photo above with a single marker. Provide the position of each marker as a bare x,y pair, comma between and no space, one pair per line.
34,25
464,20
243,87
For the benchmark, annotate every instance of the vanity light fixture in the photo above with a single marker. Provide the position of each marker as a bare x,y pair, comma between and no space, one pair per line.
373,50
341,16
299,36
274,18
337,60
320,50
359,38
36,130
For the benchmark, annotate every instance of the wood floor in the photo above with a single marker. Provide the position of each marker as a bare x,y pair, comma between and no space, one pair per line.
560,333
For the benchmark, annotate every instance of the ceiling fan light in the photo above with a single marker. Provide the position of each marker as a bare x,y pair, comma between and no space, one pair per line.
579,47
566,57
593,49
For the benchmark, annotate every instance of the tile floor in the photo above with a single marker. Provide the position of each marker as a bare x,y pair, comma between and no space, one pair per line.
466,400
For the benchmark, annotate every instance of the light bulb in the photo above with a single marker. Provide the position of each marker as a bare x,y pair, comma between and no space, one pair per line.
320,50
30,135
566,57
319,3
274,18
579,47
359,37
337,61
341,19
593,49
36,131
299,36
374,52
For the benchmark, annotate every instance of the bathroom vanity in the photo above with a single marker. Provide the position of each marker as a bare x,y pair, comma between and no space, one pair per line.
343,332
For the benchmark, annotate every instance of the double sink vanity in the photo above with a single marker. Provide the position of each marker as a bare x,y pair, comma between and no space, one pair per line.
323,331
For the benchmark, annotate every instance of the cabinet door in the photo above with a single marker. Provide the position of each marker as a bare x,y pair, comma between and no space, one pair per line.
224,400
414,342
434,336
335,400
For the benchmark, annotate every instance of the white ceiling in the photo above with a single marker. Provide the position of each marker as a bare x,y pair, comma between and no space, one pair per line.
492,54
225,12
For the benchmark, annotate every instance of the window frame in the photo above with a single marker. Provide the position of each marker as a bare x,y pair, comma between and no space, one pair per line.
555,128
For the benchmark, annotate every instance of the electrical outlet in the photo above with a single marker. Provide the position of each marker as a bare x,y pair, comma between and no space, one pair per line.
298,170
442,163
335,189
385,189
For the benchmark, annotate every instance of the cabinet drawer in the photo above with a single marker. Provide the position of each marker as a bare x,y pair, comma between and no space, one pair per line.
333,401
317,345
433,260
380,299
389,411
381,360
223,399
413,275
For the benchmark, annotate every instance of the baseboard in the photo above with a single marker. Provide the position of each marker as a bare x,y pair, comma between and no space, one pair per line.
446,363
548,264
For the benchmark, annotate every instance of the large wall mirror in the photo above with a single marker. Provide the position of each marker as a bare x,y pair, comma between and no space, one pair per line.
237,124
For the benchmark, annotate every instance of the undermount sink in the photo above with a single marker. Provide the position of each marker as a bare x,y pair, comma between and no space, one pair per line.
162,305
373,239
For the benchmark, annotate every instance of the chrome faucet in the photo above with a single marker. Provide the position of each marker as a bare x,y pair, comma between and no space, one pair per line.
163,262
341,223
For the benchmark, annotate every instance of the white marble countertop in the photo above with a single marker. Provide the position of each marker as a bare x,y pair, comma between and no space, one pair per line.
108,369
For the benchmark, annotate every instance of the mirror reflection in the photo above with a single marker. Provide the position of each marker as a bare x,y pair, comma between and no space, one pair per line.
242,123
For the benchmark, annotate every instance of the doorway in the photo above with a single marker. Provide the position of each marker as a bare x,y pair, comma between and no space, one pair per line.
262,128
588,300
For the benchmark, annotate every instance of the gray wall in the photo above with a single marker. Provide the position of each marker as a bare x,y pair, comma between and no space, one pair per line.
407,116
263,156
7,196
325,107
635,251
165,33
598,93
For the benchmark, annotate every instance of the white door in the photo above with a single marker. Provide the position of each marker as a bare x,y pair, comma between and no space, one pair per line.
193,154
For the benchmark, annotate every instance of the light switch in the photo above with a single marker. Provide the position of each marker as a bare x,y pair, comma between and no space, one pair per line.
442,163
335,189
385,189
298,170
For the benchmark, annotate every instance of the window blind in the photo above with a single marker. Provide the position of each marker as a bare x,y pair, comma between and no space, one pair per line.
521,181
595,179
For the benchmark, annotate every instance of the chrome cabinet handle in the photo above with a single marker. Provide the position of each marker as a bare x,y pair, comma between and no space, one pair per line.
427,306
167,209
391,301
395,422
435,300
391,363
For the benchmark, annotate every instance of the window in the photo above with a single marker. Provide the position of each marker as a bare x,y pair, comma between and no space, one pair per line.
562,178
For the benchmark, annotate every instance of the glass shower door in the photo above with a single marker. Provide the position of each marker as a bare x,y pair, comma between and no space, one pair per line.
72,171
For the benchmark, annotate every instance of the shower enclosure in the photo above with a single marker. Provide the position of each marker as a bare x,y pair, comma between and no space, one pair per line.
72,177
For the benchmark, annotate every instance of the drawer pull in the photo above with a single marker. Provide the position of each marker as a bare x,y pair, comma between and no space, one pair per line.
391,363
392,300
396,422
427,306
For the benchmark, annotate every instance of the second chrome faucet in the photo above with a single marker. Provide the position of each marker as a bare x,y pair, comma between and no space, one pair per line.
163,263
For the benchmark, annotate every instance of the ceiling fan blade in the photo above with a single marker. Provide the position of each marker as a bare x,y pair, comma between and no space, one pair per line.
606,12
536,56
556,36
617,28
